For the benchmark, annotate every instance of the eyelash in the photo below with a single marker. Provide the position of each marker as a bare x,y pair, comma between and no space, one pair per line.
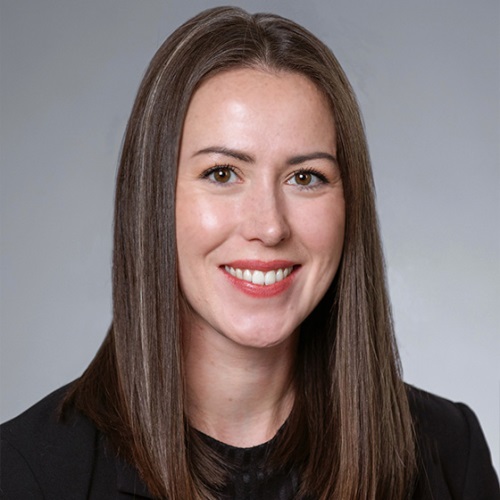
210,171
322,179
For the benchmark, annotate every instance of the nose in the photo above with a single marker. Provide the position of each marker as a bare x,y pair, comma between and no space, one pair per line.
264,216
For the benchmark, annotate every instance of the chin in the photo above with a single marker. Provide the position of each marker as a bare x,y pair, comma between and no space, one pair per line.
263,340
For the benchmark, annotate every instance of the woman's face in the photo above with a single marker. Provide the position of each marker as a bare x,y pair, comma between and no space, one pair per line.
260,206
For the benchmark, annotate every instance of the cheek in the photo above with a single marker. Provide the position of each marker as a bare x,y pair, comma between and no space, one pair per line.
322,229
200,223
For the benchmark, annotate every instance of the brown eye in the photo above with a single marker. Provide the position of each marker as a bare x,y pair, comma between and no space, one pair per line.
221,175
303,178
307,179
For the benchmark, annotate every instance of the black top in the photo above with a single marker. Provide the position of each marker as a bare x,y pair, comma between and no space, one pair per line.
249,475
41,457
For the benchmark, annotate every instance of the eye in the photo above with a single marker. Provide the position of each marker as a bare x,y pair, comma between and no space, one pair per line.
221,174
307,178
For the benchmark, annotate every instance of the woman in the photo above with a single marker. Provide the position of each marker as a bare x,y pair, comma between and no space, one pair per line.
251,353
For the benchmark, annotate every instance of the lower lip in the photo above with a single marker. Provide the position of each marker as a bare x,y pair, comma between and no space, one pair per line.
261,291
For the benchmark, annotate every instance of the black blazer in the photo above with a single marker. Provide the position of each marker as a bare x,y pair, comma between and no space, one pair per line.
43,458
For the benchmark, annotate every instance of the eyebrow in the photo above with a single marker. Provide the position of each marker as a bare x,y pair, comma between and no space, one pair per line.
297,160
294,160
226,152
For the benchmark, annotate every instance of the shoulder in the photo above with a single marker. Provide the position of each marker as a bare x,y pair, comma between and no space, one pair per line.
44,455
438,417
455,461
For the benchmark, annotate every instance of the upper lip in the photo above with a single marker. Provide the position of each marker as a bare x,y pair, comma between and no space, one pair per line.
261,265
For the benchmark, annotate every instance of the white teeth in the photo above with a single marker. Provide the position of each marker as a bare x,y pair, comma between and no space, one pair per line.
270,278
259,277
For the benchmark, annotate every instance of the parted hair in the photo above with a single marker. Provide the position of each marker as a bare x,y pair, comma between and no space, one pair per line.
350,431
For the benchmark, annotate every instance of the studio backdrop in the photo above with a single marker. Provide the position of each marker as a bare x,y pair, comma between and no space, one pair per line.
427,75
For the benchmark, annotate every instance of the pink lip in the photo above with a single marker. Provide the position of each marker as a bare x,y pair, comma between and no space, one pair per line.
261,291
260,265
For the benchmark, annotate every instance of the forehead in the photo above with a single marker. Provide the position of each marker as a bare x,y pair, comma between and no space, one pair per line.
259,103
267,80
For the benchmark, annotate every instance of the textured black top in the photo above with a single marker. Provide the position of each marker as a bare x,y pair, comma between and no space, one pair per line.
249,476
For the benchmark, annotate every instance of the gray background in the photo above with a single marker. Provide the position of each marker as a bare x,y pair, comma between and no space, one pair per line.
427,77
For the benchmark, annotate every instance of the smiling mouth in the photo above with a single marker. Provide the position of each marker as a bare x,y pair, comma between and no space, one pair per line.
260,277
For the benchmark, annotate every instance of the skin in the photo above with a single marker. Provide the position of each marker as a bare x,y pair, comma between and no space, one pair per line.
258,186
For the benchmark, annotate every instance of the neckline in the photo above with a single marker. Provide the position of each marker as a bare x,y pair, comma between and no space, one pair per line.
242,456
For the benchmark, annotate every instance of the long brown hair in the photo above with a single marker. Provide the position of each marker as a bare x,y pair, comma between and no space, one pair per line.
350,431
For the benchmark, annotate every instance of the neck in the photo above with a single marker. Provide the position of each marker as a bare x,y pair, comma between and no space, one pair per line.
236,394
